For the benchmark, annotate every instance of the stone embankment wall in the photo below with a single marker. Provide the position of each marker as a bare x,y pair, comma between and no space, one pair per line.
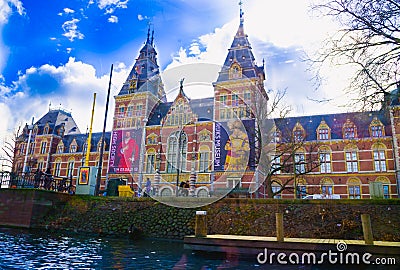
340,219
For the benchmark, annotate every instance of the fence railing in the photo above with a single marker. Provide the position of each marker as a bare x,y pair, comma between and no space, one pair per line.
36,180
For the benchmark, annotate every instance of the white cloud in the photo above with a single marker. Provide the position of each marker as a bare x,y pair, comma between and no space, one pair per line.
111,5
6,10
281,32
69,11
76,83
113,19
141,17
71,30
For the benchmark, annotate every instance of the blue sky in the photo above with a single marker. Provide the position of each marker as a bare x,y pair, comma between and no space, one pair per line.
60,52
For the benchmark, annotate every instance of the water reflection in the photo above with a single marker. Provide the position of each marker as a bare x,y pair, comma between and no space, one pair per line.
31,249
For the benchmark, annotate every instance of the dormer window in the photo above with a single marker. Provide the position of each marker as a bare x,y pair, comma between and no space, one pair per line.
46,129
376,128
61,131
235,72
298,132
349,130
323,131
60,148
73,148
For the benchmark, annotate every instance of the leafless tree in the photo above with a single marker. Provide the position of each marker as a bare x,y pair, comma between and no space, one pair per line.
279,151
9,149
369,40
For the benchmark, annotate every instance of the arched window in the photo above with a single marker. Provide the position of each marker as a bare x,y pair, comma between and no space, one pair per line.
351,156
326,186
176,151
354,188
325,159
379,155
385,185
43,146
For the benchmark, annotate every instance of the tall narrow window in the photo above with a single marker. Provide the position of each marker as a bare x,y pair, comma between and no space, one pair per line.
43,148
70,169
60,149
351,161
150,162
176,151
275,164
235,100
386,191
301,191
57,168
204,161
379,160
349,130
276,189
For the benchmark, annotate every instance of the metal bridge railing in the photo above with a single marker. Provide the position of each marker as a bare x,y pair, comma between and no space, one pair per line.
36,180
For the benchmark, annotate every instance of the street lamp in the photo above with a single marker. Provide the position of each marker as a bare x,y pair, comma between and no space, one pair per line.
178,157
30,128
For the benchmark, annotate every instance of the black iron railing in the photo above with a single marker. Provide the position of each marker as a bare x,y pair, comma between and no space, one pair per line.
36,180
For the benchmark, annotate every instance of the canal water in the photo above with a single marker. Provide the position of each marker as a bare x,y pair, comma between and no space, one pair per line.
34,249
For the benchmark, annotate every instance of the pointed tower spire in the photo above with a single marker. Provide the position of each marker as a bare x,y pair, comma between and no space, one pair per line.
152,38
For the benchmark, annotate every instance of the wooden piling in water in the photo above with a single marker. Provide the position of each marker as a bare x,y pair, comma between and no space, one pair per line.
200,229
279,227
367,229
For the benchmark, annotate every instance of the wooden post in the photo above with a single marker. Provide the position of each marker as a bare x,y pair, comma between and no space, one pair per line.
367,229
279,227
200,229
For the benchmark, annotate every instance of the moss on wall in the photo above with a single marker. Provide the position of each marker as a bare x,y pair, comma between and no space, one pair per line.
340,219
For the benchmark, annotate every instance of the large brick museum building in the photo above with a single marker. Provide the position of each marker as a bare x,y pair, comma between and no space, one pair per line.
213,143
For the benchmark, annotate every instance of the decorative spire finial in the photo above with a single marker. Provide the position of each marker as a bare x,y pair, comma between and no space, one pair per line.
181,82
148,33
241,11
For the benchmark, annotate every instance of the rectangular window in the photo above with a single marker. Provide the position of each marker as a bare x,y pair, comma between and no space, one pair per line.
351,162
247,96
57,169
386,191
233,182
223,99
323,134
379,161
376,131
150,163
276,189
222,114
276,164
22,149
301,192
354,192
235,100
349,133
298,135
70,169
327,190
300,165
43,148
203,161
325,162
40,166
130,111
73,149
